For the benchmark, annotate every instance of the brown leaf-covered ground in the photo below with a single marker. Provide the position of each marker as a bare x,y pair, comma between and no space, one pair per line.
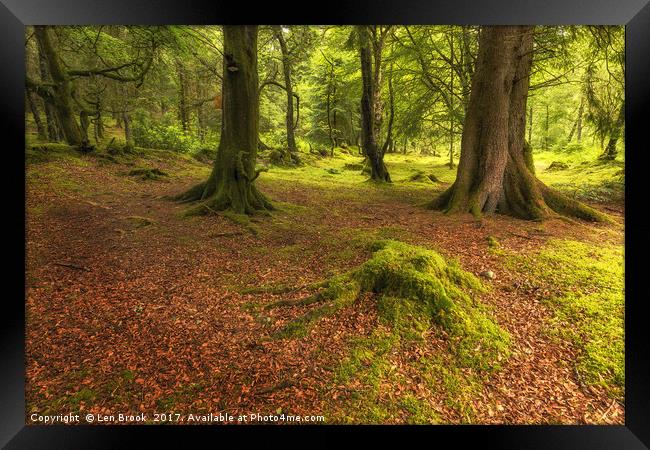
132,307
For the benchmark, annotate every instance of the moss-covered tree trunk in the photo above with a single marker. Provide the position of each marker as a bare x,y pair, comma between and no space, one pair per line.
33,107
61,95
375,155
231,183
53,132
494,168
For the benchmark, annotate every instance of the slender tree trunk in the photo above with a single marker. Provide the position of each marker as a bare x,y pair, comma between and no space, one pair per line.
391,113
493,174
378,170
128,137
328,107
451,115
286,69
40,129
579,124
84,123
61,96
182,96
530,124
610,151
546,130
231,183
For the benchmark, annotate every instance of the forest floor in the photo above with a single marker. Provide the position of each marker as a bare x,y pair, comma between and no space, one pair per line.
133,307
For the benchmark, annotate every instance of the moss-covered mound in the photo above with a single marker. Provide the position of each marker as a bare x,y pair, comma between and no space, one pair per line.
148,173
416,289
424,177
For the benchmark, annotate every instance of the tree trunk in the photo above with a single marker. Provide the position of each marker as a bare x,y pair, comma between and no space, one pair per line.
128,137
493,173
40,129
610,151
546,130
53,130
530,124
61,95
378,170
231,183
391,113
182,96
451,112
579,124
286,69
328,108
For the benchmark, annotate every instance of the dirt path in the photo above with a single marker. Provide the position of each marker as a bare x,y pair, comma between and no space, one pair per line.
132,307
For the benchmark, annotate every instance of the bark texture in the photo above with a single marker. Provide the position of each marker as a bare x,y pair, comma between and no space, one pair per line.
231,183
375,155
494,171
60,96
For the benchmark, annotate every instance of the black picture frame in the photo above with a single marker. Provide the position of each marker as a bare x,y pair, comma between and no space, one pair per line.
15,14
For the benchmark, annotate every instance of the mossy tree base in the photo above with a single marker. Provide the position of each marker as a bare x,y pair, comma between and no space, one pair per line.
415,289
523,196
238,197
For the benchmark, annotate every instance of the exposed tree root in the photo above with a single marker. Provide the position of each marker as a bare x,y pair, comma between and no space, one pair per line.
415,289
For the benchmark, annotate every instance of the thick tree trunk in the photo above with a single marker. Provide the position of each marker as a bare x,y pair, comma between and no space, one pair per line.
610,151
286,69
231,183
493,172
40,129
61,96
378,170
53,130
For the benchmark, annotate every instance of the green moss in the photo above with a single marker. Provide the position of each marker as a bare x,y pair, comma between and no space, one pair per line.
457,387
588,304
41,153
493,242
415,289
148,173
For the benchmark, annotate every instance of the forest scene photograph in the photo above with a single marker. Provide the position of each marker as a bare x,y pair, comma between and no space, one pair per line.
311,224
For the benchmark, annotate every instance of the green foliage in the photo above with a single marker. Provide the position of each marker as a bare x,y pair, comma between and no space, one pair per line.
166,134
